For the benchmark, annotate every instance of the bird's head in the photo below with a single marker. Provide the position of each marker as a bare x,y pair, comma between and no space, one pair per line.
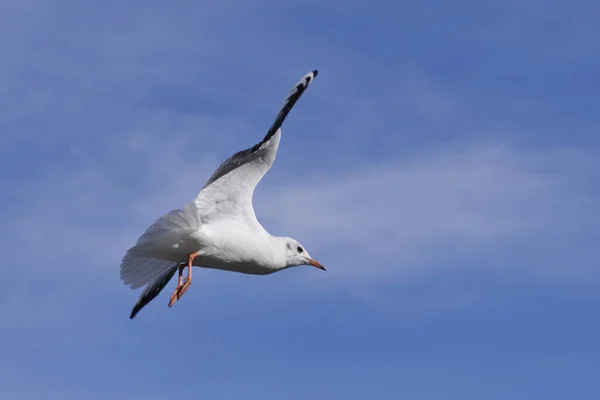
296,254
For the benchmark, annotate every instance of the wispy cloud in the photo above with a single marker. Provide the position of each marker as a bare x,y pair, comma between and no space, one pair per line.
482,205
470,203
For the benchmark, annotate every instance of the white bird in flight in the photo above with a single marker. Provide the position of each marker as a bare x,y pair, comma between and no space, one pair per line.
219,228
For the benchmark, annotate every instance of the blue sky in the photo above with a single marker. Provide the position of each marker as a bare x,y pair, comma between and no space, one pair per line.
442,166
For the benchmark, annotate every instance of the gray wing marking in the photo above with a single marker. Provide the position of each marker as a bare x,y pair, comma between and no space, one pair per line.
245,156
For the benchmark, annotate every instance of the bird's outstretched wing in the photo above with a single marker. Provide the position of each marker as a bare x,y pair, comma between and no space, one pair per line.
228,192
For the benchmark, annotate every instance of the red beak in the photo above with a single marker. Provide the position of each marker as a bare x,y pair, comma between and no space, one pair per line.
316,264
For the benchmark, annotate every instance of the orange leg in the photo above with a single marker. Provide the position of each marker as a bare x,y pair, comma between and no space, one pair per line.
174,298
181,288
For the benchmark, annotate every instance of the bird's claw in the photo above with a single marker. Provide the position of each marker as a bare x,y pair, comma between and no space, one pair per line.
179,291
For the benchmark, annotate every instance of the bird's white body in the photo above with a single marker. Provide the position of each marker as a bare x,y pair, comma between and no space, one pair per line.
229,246
233,247
219,227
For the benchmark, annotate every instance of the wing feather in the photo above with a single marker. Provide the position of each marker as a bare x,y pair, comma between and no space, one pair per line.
152,290
142,264
245,156
229,190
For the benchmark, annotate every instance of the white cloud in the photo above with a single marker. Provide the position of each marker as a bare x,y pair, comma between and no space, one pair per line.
484,205
451,212
487,206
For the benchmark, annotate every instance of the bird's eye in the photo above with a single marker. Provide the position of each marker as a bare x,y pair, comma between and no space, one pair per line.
300,249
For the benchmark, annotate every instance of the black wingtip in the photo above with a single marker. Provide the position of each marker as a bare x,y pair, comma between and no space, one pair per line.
152,290
136,309
289,102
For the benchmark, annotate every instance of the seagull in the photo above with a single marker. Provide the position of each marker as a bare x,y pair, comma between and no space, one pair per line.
219,229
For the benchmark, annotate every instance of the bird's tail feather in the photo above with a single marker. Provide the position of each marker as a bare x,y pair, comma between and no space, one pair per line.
138,271
153,289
